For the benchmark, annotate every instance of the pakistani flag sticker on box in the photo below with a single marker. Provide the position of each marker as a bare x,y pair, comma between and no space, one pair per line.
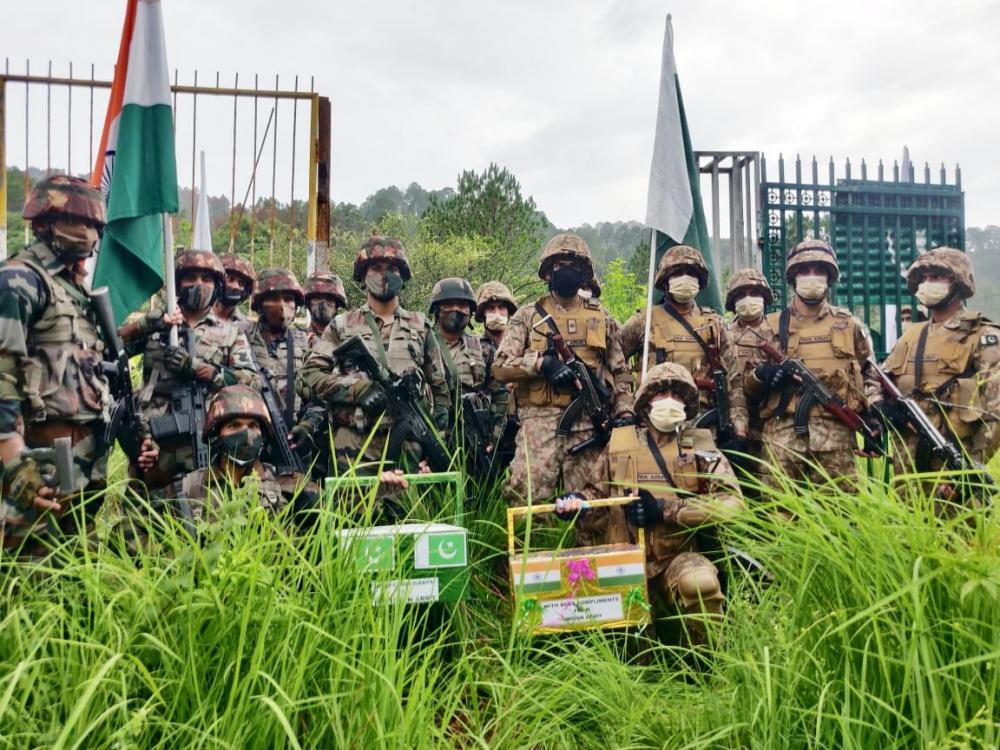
412,562
582,588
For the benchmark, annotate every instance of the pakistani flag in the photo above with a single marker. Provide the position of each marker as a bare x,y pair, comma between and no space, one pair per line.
673,204
375,553
136,165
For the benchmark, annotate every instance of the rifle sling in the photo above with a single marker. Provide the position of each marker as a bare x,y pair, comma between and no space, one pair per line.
676,315
379,345
661,462
784,321
918,361
289,378
454,382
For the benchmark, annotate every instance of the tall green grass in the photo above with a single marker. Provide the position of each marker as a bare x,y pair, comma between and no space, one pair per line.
882,630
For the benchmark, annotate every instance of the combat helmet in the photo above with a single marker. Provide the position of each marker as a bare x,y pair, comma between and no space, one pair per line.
199,260
659,378
326,283
947,260
231,402
276,280
566,245
747,278
234,264
677,257
812,251
490,292
63,197
454,288
381,248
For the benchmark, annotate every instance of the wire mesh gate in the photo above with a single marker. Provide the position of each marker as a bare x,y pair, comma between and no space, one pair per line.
877,227
273,153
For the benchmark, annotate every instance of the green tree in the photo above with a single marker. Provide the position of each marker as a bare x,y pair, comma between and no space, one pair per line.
622,293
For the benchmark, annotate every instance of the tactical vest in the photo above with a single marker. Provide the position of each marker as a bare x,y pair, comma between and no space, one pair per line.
465,363
946,370
62,372
669,342
633,465
826,346
273,356
199,488
585,330
746,342
403,344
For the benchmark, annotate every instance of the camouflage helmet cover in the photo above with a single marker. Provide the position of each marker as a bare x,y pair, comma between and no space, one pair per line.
570,246
381,248
812,251
276,280
490,292
747,278
452,288
326,283
953,262
234,264
63,197
231,402
681,256
199,260
658,379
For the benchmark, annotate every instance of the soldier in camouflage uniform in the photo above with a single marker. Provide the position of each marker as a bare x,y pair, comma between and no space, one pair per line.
275,340
400,340
747,296
212,354
51,382
240,282
833,344
681,331
948,364
325,297
494,307
545,386
681,482
452,305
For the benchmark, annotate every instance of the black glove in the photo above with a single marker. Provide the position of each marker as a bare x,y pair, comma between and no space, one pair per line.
772,375
557,372
301,439
441,418
891,414
179,362
569,515
626,420
374,401
645,511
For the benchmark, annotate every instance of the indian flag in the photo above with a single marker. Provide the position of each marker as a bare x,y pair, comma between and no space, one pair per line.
673,203
136,164
626,569
536,576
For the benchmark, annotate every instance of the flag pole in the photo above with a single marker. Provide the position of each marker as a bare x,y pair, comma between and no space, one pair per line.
169,290
649,303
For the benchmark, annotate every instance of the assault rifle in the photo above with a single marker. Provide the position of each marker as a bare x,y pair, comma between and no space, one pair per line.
983,487
285,460
186,417
592,395
476,433
720,417
506,445
403,394
814,392
125,425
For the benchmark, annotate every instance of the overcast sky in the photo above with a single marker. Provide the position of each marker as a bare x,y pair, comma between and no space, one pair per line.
564,93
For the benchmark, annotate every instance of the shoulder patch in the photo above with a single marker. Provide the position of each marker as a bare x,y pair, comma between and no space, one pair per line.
989,339
592,303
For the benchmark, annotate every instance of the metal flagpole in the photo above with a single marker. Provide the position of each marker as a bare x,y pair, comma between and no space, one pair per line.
170,292
649,303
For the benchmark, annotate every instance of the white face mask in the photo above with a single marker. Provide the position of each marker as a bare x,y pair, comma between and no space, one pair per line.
933,293
683,289
750,308
811,287
667,413
496,321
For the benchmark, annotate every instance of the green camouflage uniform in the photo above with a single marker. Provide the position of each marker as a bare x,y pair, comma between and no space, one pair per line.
271,353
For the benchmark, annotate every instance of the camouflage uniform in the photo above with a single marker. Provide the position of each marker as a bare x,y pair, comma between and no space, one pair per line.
241,268
270,347
696,491
216,342
51,381
670,341
463,358
959,386
406,343
323,284
833,344
501,399
541,463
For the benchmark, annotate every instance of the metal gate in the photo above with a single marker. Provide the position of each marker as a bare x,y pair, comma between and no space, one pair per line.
877,227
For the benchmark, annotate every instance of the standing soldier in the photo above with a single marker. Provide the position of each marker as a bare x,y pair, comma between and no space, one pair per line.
833,344
494,307
948,364
399,340
51,381
325,297
681,483
240,281
681,331
545,384
212,354
747,297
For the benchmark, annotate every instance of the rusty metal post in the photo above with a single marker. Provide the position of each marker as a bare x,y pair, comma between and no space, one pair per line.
323,186
3,169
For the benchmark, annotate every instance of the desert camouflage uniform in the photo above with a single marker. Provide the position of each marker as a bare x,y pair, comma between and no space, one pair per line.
696,491
541,463
501,396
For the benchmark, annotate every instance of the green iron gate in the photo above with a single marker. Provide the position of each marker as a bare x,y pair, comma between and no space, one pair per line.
877,226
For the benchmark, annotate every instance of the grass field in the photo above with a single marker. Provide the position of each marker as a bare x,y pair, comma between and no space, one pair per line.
882,630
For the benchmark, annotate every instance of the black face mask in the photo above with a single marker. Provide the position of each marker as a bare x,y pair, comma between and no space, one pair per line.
195,297
321,311
241,447
233,297
566,281
383,286
453,321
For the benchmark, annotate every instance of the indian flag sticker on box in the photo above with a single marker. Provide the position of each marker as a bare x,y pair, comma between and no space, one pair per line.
625,569
443,549
536,576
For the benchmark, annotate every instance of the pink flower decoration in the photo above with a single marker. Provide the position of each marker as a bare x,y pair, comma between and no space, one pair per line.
579,570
